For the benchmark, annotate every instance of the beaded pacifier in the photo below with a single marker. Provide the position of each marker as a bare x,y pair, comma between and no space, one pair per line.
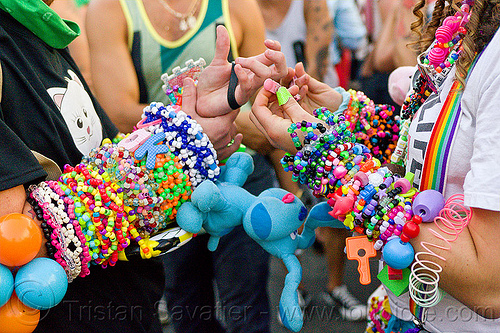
173,82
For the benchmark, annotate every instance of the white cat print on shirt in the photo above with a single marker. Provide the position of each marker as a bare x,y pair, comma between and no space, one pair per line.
79,114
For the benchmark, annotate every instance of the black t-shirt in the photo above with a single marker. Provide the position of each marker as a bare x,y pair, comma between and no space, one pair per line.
47,107
45,104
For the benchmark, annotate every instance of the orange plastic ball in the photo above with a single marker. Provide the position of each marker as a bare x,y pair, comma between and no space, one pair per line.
16,317
20,239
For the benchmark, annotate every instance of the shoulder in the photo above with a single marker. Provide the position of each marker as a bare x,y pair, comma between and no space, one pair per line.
105,10
243,10
248,26
487,70
105,18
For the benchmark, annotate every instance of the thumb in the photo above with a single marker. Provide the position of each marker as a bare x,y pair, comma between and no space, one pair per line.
189,97
222,46
290,105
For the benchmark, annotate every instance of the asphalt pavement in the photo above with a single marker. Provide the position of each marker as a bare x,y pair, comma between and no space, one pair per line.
319,317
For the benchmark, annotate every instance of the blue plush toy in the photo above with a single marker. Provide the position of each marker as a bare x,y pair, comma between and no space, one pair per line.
271,219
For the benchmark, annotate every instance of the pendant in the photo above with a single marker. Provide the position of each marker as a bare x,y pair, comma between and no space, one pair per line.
183,25
188,23
191,22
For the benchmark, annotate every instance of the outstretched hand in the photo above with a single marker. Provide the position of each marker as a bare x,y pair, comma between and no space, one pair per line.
251,72
220,129
274,120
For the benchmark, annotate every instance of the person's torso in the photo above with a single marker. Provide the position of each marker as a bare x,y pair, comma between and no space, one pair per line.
450,315
153,55
291,34
46,95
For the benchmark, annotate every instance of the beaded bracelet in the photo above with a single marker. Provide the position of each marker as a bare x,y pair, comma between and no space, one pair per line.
44,196
46,228
374,125
362,195
116,196
186,139
72,231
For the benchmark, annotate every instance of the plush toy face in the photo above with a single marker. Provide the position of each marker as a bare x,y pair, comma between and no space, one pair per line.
262,222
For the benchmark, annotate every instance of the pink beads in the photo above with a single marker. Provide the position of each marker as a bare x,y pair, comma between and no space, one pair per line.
339,172
437,56
444,34
452,22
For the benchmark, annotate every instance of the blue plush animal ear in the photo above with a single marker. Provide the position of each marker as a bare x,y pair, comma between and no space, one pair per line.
238,167
319,217
189,218
207,197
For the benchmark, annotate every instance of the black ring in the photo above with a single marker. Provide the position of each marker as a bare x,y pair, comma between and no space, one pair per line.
233,82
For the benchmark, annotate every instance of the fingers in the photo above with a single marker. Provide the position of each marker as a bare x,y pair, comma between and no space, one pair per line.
227,151
259,126
299,69
260,69
189,97
244,89
272,44
294,90
302,80
222,46
279,70
291,107
261,115
287,80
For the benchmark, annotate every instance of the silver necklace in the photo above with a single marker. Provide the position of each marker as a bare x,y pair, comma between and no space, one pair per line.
186,20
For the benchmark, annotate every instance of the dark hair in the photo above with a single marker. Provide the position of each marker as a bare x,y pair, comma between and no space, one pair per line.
483,23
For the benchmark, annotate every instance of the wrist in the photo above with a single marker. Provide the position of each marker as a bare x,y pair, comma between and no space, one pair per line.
346,97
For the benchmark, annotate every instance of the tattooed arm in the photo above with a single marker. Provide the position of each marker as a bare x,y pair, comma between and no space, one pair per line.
319,36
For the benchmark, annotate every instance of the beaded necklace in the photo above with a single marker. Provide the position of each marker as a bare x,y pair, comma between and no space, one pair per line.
434,66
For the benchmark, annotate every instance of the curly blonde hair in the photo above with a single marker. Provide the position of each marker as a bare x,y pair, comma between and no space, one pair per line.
484,22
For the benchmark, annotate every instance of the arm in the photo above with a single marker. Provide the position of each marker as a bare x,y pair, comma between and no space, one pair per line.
249,30
319,36
472,266
79,48
13,200
113,73
391,49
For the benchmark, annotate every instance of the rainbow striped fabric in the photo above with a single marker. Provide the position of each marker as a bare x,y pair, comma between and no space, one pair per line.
441,141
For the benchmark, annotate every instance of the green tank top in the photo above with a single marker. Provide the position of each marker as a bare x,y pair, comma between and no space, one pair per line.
152,55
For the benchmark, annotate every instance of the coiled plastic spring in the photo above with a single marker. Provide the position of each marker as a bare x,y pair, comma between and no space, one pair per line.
424,276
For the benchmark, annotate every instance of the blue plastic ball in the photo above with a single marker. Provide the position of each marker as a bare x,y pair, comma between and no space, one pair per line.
41,283
6,285
398,254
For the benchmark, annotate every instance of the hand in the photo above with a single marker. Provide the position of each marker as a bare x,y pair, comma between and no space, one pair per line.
274,120
220,129
313,93
268,65
252,136
251,72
